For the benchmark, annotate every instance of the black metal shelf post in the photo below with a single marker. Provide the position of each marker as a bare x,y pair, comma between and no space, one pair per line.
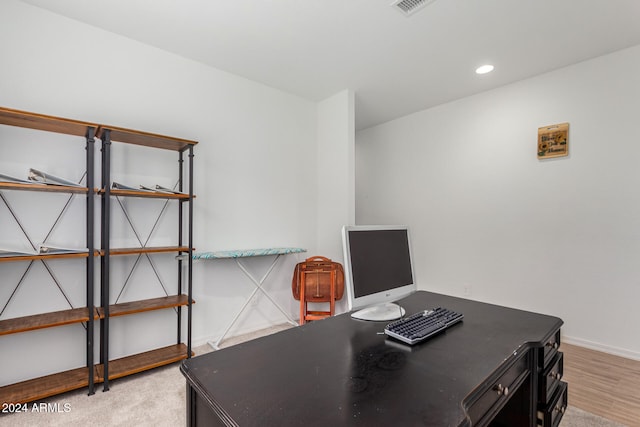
104,261
91,133
190,245
190,260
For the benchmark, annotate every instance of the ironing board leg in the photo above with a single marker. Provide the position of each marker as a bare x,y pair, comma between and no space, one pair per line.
258,284
261,289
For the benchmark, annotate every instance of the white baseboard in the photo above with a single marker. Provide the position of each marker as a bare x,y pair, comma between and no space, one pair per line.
197,342
202,340
601,347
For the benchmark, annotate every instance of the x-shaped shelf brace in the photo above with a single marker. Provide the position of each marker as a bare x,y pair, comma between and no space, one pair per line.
143,245
33,245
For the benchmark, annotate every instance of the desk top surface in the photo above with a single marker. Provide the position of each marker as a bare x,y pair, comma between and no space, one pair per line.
342,371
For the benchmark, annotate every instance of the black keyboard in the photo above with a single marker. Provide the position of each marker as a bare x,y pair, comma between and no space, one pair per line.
422,325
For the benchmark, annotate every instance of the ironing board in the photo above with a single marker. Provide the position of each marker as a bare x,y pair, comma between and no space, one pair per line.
237,255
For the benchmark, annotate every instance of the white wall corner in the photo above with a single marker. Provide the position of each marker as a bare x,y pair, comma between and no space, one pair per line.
336,171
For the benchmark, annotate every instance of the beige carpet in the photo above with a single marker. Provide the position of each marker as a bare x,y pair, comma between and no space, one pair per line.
157,398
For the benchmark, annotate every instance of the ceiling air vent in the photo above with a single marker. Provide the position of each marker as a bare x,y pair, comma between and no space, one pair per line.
409,7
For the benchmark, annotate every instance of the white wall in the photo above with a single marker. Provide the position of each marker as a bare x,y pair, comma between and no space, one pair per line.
556,236
252,190
336,178
336,174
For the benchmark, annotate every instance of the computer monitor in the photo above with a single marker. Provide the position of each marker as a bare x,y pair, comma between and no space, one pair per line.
378,270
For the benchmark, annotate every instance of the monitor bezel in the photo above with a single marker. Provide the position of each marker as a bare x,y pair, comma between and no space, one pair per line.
389,295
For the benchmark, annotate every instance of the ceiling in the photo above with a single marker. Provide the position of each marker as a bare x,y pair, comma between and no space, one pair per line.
396,65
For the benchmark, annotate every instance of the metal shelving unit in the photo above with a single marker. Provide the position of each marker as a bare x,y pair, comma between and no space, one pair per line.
90,314
111,369
39,388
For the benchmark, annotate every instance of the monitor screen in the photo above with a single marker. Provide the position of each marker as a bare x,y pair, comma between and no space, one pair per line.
378,266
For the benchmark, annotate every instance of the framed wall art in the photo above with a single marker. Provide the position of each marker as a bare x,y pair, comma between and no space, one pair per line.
553,141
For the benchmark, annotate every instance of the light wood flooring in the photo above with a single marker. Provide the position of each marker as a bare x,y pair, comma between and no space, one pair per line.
603,384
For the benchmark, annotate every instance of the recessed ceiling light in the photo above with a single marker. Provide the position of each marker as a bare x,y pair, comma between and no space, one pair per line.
484,69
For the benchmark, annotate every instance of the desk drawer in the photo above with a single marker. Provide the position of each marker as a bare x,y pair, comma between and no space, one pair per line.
499,391
549,350
550,378
552,413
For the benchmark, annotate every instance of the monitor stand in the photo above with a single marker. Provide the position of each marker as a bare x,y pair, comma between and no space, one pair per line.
380,312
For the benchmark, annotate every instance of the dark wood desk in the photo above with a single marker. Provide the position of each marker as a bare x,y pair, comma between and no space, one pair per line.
499,366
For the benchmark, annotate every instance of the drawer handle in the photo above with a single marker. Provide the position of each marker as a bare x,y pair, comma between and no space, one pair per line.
553,345
560,409
555,375
502,390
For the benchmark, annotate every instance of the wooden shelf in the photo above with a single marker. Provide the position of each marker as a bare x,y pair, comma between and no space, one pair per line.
144,361
43,387
47,256
141,306
45,320
42,187
50,385
146,139
147,194
43,122
148,250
